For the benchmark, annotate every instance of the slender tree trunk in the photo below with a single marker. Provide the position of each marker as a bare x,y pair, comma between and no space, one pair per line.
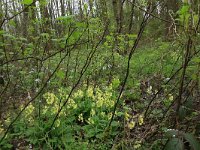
131,17
91,7
62,7
121,16
25,22
45,17
81,10
116,15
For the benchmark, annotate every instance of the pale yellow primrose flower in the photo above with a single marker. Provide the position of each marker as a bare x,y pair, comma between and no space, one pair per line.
140,120
109,116
80,117
131,124
103,114
50,98
171,97
90,92
79,94
57,123
127,116
29,110
92,112
100,102
71,104
137,144
90,121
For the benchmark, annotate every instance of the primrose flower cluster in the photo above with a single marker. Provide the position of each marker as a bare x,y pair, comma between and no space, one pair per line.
50,98
132,120
87,105
104,99
98,103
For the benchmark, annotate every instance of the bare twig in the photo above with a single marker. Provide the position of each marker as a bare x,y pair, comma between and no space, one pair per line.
185,64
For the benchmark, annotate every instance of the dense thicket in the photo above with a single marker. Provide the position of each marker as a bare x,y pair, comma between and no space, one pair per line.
99,74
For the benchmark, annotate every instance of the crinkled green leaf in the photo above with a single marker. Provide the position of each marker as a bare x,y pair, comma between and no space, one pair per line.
174,144
192,140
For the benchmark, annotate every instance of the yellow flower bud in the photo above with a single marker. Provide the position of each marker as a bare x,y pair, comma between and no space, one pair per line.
131,125
80,117
140,120
57,123
127,116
